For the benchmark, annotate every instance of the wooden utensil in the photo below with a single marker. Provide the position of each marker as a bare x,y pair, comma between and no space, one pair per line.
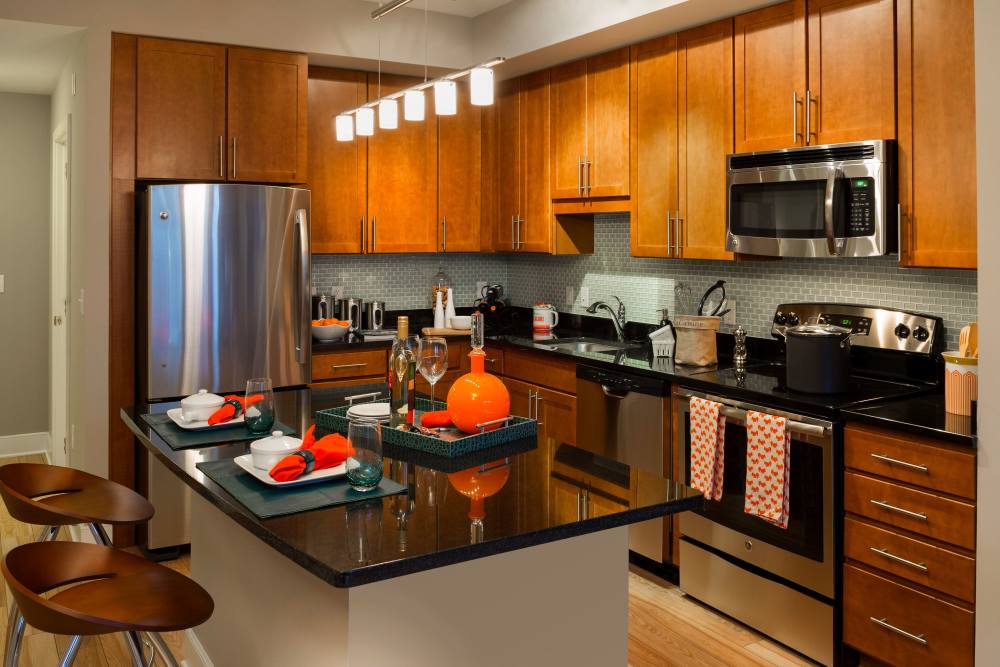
963,340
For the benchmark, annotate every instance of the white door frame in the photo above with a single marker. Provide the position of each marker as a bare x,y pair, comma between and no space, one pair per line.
59,295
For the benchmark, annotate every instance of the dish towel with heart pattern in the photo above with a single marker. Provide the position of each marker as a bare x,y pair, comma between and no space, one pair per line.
708,439
769,448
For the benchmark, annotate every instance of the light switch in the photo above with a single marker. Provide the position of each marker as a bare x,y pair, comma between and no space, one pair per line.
570,295
583,298
2,288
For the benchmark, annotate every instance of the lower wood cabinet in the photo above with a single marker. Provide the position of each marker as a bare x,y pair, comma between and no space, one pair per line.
554,410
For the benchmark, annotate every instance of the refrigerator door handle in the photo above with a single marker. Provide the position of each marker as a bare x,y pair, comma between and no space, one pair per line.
302,229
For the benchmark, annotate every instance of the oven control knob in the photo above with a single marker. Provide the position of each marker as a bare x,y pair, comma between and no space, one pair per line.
748,545
793,319
921,334
902,331
780,318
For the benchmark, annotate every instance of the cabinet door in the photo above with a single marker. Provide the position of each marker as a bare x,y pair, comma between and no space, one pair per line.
705,136
852,75
770,66
937,134
268,116
521,403
601,505
402,179
607,170
180,110
654,146
536,216
459,176
556,415
489,219
337,169
565,500
569,129
510,163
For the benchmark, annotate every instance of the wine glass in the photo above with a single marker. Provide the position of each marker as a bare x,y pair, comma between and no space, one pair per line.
259,405
364,465
432,358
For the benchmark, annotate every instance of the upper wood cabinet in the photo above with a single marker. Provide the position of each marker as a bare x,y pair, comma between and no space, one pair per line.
180,110
459,182
489,222
509,167
536,221
654,147
268,115
211,112
770,77
852,74
590,127
705,137
937,133
337,169
402,179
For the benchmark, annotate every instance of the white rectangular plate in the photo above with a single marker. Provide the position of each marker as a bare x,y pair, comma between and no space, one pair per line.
327,474
175,416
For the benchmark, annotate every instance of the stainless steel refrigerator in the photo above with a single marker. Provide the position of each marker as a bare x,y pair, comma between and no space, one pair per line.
227,298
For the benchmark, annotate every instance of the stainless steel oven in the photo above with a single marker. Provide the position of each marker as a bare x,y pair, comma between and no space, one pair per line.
838,200
780,581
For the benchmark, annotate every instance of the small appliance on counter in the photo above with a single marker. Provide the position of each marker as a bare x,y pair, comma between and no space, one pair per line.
352,310
494,307
374,318
961,373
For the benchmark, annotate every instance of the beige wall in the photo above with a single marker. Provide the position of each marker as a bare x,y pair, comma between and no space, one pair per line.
988,159
24,260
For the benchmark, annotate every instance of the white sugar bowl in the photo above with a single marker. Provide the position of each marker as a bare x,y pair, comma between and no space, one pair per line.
199,407
266,452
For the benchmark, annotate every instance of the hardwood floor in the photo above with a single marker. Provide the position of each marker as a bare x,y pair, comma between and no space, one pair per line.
665,627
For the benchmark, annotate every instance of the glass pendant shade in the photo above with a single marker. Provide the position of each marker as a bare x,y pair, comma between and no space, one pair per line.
413,105
364,119
481,86
388,115
344,126
445,98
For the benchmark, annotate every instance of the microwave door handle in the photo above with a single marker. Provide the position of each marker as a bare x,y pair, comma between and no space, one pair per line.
831,187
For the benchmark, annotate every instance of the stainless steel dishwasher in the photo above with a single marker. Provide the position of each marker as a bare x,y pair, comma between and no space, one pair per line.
620,415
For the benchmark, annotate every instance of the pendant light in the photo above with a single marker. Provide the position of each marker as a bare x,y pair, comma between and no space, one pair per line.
388,114
413,105
364,122
344,126
481,86
445,98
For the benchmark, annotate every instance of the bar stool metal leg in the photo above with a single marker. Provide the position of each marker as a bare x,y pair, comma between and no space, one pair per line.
162,649
70,655
134,644
100,535
15,622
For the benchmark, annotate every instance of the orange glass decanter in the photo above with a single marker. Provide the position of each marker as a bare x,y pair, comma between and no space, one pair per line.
477,397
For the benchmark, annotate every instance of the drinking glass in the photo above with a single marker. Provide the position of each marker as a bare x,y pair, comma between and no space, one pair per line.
259,405
433,360
364,466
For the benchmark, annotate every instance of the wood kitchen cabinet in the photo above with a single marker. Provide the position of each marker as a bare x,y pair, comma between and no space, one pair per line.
770,77
459,181
590,127
402,179
554,410
705,138
937,133
337,169
180,110
267,115
535,232
509,167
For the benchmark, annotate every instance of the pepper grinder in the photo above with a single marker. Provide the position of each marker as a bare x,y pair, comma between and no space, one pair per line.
740,349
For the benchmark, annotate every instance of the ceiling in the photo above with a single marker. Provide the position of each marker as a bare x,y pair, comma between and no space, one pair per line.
32,55
467,8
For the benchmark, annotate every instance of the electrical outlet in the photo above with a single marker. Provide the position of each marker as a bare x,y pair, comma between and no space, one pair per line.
730,317
480,286
337,291
2,288
583,298
570,295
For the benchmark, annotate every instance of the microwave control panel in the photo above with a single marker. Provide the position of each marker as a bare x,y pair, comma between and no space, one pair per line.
861,206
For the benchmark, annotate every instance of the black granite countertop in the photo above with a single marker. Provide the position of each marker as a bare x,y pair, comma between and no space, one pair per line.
921,415
429,526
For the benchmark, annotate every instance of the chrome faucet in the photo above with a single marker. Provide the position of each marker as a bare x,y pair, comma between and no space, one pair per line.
617,317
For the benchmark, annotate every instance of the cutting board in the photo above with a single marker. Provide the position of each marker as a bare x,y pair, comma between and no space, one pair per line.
445,331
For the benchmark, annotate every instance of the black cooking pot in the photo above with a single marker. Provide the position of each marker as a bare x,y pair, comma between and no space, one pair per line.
818,358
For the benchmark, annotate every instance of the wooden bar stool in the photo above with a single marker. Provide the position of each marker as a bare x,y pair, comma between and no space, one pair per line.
103,590
53,496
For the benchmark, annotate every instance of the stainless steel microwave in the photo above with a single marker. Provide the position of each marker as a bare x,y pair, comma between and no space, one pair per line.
838,200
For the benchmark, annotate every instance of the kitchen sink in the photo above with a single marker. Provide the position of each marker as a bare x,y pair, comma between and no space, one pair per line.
588,345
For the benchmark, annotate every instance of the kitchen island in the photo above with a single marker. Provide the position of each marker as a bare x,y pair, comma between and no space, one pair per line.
530,578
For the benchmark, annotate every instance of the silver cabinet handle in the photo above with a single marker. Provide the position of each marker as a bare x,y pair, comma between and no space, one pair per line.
897,462
520,221
531,404
899,510
586,176
899,559
363,246
513,223
899,631
670,224
795,117
809,131
678,239
222,157
337,367
579,174
444,233
579,505
374,231
585,497
234,157
538,400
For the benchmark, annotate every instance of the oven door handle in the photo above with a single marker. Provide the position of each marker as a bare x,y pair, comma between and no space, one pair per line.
818,430
828,200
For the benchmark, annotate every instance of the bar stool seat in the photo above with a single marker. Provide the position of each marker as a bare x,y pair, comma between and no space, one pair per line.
107,590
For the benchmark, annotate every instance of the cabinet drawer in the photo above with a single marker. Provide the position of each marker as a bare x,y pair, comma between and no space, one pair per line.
544,369
911,459
938,633
925,513
911,559
338,365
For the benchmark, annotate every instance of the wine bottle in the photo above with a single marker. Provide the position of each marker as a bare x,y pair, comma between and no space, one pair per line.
402,376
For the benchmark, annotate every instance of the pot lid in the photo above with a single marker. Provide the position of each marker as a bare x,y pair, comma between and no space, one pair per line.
203,399
275,443
819,330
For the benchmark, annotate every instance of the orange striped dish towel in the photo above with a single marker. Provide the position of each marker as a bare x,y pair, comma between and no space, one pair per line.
708,439
769,448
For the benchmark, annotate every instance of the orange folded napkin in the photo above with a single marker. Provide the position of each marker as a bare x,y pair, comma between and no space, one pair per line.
768,468
708,440
233,408
327,452
435,419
